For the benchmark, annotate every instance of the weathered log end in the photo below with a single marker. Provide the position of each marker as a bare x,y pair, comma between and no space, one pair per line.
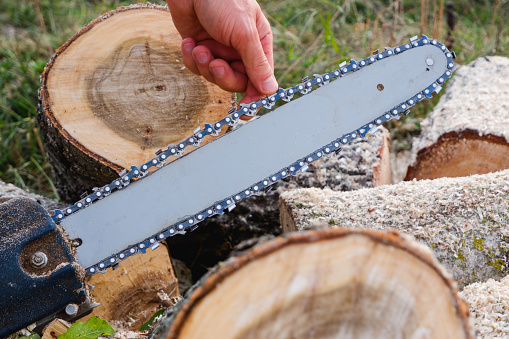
326,284
132,293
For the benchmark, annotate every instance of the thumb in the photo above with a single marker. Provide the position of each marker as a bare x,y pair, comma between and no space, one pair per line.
258,67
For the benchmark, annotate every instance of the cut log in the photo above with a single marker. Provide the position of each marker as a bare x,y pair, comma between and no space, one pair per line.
324,284
117,92
464,220
468,131
55,328
132,293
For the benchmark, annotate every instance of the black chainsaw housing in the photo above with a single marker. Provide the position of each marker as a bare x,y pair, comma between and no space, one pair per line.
30,291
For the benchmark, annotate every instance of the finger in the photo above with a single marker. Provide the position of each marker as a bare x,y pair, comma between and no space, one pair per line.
267,39
202,57
238,66
219,50
257,65
187,47
226,77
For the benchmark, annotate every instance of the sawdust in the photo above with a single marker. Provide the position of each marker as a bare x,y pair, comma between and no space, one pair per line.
125,334
464,220
489,307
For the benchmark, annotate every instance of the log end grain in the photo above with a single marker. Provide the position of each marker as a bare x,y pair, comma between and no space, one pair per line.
463,153
118,91
326,284
132,293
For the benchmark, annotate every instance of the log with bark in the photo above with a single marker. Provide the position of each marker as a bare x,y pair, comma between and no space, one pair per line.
117,92
464,220
324,284
468,131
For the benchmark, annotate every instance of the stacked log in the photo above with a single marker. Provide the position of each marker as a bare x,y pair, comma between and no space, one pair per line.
464,220
468,131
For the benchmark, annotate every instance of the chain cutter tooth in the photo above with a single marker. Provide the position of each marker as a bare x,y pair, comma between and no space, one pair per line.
304,88
289,93
213,129
267,103
248,110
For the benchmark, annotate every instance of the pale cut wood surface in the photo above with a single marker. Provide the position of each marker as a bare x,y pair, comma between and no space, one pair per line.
133,292
468,131
325,284
464,220
117,92
55,328
122,90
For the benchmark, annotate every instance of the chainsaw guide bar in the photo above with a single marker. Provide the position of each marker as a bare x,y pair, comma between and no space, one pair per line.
349,102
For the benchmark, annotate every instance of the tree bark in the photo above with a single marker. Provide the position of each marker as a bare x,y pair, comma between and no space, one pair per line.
464,220
117,92
324,284
468,131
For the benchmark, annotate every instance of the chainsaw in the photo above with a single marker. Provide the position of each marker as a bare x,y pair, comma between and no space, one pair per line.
44,259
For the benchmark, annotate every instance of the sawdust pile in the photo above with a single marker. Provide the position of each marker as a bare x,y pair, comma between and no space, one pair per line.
489,307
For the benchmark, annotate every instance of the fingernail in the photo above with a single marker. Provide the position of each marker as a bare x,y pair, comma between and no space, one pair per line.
188,47
202,58
270,84
218,71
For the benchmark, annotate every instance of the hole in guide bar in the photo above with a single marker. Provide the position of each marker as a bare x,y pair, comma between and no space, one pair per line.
380,87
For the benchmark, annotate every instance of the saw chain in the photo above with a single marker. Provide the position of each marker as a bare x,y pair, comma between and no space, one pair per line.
249,110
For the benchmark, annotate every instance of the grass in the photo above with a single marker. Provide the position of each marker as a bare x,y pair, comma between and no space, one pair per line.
310,37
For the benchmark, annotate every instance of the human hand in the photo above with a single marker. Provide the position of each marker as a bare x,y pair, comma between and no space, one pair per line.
229,43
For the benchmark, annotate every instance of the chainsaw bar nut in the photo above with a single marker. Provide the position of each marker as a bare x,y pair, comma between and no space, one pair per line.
39,260
71,309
